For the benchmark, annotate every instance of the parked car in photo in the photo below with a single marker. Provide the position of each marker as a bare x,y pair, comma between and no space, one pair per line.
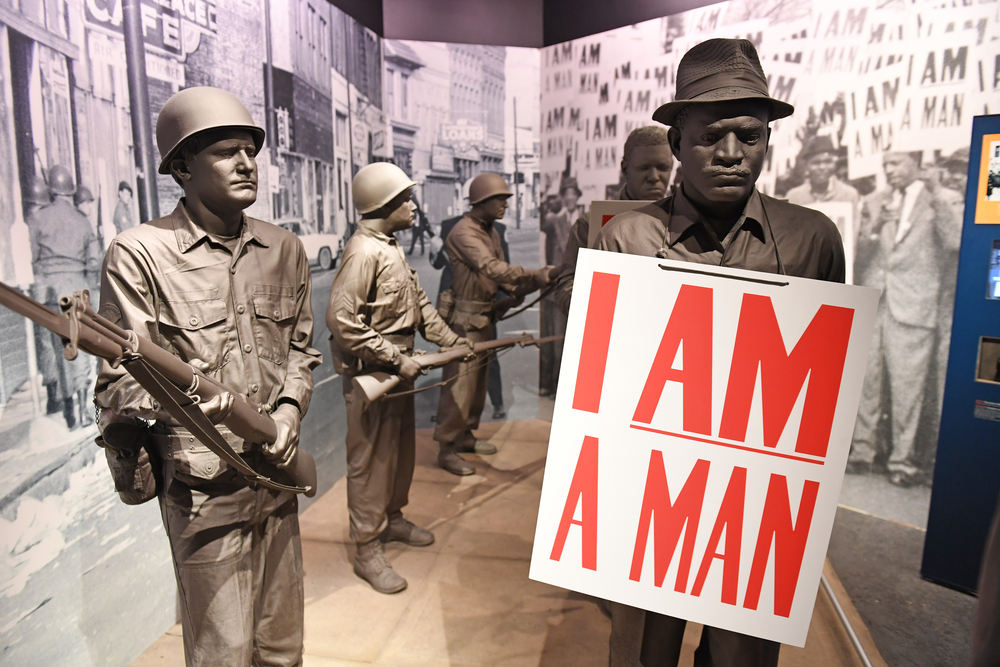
323,250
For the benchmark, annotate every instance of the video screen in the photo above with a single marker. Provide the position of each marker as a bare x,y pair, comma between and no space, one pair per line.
993,290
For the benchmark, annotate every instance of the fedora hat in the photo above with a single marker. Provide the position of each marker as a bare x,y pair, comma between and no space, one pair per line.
819,144
720,70
569,183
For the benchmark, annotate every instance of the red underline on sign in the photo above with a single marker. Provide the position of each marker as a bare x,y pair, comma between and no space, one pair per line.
728,444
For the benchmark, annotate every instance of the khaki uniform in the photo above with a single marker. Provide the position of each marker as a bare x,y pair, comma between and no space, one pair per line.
477,261
65,257
243,307
376,307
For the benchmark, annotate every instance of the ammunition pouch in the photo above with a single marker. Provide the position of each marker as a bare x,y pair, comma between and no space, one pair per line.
130,459
471,314
446,305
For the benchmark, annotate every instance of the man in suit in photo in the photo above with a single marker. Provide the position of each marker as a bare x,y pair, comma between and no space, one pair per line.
907,234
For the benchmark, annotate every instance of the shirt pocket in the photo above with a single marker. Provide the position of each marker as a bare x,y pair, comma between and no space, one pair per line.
193,324
275,311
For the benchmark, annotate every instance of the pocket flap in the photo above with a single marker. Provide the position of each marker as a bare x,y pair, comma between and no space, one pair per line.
193,315
275,307
199,461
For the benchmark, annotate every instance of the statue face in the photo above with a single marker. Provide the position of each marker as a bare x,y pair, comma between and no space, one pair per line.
495,207
722,147
223,175
647,172
402,216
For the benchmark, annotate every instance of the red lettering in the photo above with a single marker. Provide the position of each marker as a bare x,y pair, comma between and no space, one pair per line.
582,490
789,544
596,341
819,356
691,322
731,518
670,520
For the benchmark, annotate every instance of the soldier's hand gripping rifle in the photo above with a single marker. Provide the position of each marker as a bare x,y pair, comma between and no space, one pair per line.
375,385
177,386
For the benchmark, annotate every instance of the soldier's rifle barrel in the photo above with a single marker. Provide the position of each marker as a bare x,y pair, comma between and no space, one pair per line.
374,386
82,328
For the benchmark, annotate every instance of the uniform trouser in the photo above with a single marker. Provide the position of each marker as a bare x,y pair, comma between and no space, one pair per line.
238,561
381,446
464,394
70,376
494,382
646,639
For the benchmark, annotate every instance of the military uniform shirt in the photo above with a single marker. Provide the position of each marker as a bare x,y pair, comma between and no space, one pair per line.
247,313
376,294
476,257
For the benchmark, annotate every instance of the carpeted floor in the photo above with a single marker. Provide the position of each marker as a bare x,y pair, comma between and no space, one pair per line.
913,621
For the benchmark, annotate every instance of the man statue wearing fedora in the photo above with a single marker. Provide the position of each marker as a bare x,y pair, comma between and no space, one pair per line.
719,132
230,295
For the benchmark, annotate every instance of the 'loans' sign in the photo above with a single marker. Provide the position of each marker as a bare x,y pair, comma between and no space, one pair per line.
699,440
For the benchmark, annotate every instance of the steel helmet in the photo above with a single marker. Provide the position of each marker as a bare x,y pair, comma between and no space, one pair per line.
40,193
61,181
487,185
194,110
83,194
376,184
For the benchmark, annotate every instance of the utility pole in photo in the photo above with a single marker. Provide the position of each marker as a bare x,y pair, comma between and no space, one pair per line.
517,175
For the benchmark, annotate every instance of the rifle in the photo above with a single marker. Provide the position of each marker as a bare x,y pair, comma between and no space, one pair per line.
177,386
374,386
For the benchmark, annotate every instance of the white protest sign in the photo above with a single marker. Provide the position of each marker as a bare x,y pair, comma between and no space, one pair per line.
843,215
602,211
676,480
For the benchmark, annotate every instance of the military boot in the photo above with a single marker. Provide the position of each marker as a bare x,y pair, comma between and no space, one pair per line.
69,413
454,463
53,403
401,530
371,565
473,445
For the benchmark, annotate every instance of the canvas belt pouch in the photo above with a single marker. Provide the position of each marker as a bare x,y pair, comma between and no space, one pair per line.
473,314
127,447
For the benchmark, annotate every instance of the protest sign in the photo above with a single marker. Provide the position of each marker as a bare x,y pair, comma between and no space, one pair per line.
662,431
602,211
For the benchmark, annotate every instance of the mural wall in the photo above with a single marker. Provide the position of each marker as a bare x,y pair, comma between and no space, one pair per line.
84,579
878,86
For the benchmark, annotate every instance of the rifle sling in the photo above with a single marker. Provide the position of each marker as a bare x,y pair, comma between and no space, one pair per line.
186,411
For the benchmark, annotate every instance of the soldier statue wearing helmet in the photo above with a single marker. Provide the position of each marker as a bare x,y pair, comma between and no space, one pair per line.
376,307
479,269
240,310
65,258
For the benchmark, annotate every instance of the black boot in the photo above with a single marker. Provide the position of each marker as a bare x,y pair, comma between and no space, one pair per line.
69,413
53,404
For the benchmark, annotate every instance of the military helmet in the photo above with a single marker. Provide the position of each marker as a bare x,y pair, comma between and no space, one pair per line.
40,193
83,194
61,181
195,110
487,185
376,184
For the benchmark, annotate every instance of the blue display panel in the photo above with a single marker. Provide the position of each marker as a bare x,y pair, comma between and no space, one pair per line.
967,474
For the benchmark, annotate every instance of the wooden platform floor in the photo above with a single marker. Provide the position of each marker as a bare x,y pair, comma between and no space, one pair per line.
469,602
